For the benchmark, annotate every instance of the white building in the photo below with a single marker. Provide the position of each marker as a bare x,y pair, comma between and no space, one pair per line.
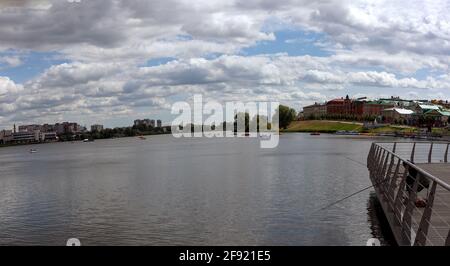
399,115
25,137
48,136
5,136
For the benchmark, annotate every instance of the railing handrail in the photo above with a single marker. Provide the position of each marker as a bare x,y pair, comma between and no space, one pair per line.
412,142
423,172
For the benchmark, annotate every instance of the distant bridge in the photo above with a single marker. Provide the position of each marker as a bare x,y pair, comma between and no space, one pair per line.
405,176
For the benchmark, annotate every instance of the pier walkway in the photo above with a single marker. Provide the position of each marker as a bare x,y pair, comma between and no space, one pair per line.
411,180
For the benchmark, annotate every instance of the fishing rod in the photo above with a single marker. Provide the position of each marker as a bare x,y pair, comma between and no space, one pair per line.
353,194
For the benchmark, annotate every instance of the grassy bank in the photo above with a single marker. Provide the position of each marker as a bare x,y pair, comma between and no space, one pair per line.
322,126
394,129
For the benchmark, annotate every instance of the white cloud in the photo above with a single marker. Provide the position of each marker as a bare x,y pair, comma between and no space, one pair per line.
103,90
374,46
8,87
10,61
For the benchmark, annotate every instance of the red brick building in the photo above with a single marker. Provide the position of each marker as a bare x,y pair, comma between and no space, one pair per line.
315,111
336,107
345,107
376,108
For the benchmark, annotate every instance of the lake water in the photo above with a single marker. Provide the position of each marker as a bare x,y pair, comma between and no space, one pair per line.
167,191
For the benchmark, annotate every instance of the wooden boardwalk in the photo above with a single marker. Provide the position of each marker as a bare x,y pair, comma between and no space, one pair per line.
396,181
441,206
439,170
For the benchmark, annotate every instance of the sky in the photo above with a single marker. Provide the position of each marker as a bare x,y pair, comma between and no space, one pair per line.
113,61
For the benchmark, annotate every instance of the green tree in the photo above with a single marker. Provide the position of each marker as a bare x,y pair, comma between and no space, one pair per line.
242,119
261,122
286,115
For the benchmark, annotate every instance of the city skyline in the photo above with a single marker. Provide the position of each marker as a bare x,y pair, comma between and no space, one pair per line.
130,121
108,62
17,126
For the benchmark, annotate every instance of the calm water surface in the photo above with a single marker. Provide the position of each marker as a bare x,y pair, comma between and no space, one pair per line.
166,191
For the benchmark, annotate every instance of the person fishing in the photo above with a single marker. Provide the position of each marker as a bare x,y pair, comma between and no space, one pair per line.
411,177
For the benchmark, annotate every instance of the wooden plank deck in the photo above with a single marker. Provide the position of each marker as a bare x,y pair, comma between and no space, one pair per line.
384,164
439,170
440,219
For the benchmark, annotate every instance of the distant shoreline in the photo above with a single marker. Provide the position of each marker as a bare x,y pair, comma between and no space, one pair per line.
75,140
333,127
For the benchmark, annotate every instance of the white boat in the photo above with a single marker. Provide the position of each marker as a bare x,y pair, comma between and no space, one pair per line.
33,150
347,133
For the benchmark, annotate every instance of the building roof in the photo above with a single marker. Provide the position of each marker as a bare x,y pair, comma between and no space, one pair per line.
429,107
438,112
401,111
312,105
339,100
379,102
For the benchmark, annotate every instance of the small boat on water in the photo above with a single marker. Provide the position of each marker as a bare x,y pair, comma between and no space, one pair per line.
315,134
33,150
142,138
347,133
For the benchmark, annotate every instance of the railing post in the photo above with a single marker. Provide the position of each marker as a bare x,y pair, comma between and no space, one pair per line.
407,215
413,152
422,232
377,155
381,166
446,154
393,182
430,153
385,165
394,148
377,161
399,195
388,175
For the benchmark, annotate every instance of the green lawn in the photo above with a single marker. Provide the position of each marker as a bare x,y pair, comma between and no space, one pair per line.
322,126
392,129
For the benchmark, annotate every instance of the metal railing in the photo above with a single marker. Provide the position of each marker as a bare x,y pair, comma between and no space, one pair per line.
416,203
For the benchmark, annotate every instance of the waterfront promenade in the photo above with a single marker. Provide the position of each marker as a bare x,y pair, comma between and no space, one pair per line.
411,180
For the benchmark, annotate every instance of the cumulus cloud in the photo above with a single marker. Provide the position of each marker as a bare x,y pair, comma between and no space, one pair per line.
10,61
107,43
92,88
8,86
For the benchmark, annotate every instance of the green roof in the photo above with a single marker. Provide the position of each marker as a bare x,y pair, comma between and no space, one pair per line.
445,112
441,112
429,107
381,102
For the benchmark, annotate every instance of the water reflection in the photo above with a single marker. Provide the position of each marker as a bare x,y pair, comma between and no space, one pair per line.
166,191
379,224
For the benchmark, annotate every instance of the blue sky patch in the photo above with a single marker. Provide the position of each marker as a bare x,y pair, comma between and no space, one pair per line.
291,42
33,64
159,61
